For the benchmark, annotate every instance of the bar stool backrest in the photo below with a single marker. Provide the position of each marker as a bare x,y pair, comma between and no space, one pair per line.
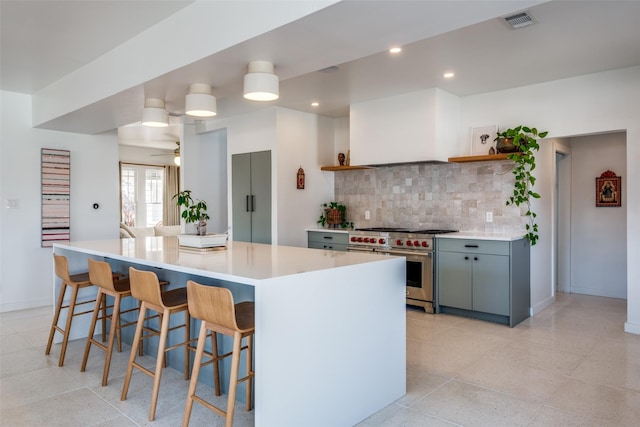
145,286
212,304
62,267
100,274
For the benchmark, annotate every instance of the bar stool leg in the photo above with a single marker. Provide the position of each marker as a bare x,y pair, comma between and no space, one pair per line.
164,332
233,381
216,363
115,322
187,338
202,337
56,317
249,362
94,319
132,358
67,328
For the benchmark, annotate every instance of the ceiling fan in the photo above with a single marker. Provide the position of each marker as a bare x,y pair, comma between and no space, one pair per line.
176,154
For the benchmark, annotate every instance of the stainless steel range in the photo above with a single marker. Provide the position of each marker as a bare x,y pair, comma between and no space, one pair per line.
415,245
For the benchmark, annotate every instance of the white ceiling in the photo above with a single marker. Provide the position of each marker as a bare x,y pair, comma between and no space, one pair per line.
42,41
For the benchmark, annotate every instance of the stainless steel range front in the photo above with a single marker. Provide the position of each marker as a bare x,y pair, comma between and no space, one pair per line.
415,245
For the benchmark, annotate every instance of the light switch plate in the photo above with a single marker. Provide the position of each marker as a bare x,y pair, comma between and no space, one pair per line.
489,216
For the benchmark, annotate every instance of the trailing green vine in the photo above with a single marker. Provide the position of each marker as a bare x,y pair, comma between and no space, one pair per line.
525,139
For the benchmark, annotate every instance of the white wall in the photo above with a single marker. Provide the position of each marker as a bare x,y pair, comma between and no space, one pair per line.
25,267
304,140
589,104
204,160
295,139
598,235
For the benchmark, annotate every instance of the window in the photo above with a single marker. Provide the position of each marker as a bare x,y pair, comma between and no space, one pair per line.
141,190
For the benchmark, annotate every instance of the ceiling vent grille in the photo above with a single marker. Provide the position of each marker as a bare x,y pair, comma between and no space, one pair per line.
519,20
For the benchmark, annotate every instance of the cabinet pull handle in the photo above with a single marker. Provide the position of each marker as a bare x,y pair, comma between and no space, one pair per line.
475,258
470,246
253,203
466,258
247,203
328,237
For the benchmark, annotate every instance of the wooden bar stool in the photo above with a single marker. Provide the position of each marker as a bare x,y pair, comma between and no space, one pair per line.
146,287
75,282
215,308
100,275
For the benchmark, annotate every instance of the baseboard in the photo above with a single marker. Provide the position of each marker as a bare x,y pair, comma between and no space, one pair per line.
632,328
598,292
24,305
548,302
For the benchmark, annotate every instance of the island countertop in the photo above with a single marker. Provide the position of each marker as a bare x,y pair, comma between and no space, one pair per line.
314,310
240,262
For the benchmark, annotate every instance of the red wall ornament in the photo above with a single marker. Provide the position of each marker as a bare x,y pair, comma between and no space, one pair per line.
608,190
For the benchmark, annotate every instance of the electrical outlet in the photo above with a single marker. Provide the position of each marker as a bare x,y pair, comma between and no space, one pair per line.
367,215
489,216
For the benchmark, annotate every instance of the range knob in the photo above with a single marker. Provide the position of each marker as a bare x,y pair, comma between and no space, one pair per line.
359,239
399,242
416,244
366,240
425,245
353,238
409,243
381,241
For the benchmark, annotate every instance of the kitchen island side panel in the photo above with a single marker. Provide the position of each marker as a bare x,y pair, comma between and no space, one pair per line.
331,348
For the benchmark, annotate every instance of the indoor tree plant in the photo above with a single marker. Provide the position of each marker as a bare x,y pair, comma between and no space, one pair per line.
334,214
525,140
194,211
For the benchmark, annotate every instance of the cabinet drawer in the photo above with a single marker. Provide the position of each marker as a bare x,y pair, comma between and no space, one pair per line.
327,237
328,245
473,246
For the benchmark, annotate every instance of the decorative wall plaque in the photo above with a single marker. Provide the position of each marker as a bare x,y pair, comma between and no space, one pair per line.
56,175
608,190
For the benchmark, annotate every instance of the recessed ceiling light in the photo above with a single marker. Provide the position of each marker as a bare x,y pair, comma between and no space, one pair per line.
395,50
448,75
315,104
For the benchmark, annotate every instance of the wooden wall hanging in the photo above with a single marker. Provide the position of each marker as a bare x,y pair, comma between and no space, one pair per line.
56,186
300,179
608,190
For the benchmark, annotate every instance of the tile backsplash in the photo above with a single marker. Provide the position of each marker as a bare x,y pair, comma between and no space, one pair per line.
428,195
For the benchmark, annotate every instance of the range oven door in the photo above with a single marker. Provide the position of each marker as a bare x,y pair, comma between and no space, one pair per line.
419,278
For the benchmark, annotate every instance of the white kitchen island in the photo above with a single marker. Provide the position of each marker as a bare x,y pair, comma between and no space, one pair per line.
330,344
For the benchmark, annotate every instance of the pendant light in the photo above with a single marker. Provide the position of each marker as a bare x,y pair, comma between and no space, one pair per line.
200,101
154,114
260,83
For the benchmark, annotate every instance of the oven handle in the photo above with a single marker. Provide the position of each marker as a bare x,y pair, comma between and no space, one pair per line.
394,252
356,249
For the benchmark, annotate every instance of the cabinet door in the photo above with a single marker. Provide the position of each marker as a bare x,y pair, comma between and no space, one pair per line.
454,280
491,283
261,194
241,196
251,197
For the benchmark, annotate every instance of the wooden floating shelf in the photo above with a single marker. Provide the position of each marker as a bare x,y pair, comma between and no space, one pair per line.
343,168
485,158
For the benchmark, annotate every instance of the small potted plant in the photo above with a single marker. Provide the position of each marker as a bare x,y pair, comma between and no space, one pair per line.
525,144
334,215
194,211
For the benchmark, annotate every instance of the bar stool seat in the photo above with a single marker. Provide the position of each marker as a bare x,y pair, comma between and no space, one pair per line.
75,282
215,308
100,275
146,287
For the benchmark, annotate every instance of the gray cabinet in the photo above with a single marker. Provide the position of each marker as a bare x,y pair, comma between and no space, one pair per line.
485,279
328,240
251,196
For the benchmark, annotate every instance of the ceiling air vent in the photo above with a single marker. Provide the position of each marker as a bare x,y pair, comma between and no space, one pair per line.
519,20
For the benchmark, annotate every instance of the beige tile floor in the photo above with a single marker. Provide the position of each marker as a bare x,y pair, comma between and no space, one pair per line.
570,365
